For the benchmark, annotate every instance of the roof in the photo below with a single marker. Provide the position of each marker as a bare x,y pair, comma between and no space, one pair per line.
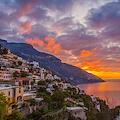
39,99
5,88
28,94
74,108
20,78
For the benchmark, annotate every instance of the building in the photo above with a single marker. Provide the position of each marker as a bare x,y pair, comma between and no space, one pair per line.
25,82
27,96
36,78
35,64
77,112
56,77
5,75
12,70
42,73
14,95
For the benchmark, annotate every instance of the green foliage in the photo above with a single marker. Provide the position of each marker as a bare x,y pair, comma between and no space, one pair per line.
36,115
72,118
48,81
32,83
23,73
58,97
67,93
3,106
41,89
55,87
15,116
16,74
42,82
32,101
47,98
20,62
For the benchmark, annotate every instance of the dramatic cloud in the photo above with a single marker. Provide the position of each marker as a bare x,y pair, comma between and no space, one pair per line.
25,26
49,44
85,53
87,33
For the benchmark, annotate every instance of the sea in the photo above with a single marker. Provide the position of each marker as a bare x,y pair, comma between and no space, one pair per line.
108,91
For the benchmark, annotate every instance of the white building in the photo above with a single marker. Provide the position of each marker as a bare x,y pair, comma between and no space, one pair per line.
77,112
12,70
5,76
35,64
56,77
49,76
42,73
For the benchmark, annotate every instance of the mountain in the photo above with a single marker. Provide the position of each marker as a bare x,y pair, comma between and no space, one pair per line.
69,73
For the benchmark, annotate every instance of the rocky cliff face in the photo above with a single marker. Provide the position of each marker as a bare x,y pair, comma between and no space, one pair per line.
67,72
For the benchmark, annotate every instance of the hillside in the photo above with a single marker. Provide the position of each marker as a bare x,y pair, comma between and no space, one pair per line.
70,73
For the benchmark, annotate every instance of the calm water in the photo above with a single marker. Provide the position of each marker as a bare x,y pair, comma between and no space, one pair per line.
109,91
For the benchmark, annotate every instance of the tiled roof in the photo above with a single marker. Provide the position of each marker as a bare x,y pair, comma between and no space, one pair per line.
20,78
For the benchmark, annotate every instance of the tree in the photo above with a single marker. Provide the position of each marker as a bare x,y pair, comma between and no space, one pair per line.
58,97
32,83
3,105
15,116
32,101
16,74
47,98
20,62
5,51
55,87
71,117
23,74
41,89
42,82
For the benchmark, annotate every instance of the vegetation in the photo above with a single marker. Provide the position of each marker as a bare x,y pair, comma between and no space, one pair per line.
32,101
15,116
3,50
3,104
20,63
42,82
58,97
23,74
16,74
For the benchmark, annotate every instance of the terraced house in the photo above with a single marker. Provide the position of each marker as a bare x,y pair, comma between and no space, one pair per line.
15,95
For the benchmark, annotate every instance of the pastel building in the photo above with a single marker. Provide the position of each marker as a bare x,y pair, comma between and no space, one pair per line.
25,82
14,95
5,75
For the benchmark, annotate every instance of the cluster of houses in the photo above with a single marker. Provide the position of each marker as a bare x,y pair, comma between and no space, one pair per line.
19,89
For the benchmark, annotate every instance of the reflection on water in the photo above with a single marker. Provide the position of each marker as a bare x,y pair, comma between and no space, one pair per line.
109,90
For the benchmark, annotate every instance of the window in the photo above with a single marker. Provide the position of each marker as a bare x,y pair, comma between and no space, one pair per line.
19,90
19,83
9,94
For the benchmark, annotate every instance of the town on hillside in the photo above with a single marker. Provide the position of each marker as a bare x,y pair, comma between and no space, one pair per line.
29,92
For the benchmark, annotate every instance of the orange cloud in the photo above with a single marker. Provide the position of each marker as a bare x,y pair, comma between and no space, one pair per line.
25,26
35,41
52,46
51,41
95,48
117,60
49,44
68,52
26,9
59,29
85,53
56,29
91,65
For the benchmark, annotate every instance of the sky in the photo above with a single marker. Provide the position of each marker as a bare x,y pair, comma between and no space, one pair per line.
84,33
